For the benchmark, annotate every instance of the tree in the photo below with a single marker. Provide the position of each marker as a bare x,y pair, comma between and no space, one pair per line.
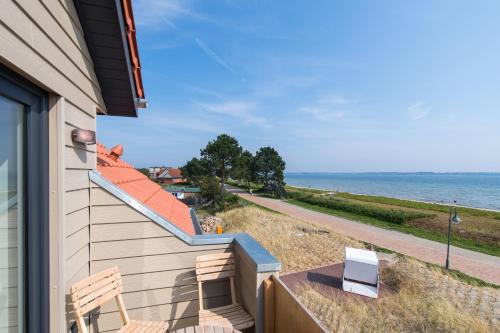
222,154
209,189
244,168
195,169
269,166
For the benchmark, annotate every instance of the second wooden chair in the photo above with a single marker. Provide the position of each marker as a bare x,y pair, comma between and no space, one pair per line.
214,267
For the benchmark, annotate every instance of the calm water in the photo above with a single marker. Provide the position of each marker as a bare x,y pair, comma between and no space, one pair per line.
469,189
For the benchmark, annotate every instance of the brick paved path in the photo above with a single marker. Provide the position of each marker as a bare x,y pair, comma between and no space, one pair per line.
476,264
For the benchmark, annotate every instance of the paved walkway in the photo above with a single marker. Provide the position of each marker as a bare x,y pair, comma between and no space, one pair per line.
476,264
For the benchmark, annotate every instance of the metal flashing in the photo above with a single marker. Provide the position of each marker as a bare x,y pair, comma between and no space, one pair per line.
196,222
263,260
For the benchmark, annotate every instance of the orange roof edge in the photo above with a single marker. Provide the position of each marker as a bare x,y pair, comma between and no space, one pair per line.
132,46
142,189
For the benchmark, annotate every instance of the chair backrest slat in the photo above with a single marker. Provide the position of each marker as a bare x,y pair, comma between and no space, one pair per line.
211,263
97,289
89,281
215,276
215,266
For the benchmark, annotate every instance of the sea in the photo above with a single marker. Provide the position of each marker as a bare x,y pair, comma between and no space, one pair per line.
479,190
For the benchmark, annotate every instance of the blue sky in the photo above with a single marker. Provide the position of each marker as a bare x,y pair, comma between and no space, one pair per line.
332,85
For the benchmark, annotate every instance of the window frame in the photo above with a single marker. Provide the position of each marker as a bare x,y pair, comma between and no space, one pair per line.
36,189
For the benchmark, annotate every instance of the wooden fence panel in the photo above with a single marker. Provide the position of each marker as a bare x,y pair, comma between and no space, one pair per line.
286,312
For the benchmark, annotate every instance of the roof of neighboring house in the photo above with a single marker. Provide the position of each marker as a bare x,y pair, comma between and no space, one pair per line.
139,186
171,173
185,189
110,35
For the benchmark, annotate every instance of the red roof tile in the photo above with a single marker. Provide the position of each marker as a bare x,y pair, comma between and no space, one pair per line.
137,185
170,173
132,45
175,173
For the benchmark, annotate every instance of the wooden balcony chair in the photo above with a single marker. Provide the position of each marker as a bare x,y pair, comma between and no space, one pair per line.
100,288
214,267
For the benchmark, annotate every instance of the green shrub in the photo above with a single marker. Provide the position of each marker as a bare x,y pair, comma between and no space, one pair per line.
210,189
390,215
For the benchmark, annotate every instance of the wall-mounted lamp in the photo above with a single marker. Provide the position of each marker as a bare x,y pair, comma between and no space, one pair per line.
86,137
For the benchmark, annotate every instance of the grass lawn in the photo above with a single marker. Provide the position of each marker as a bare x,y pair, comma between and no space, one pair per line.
409,229
425,298
479,230
253,186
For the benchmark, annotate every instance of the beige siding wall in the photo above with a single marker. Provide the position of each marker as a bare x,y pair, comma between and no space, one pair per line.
157,267
43,41
250,285
77,160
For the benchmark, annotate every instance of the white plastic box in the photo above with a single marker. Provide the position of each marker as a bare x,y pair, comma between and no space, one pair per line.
361,274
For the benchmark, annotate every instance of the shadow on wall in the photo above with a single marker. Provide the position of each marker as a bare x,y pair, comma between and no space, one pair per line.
185,302
184,289
70,317
77,31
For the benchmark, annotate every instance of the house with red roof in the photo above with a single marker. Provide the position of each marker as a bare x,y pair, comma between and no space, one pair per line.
170,176
71,207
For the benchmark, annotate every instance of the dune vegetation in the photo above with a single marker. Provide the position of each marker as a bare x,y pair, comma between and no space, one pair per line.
478,231
425,298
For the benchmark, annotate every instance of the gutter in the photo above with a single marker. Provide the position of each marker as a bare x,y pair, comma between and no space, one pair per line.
262,259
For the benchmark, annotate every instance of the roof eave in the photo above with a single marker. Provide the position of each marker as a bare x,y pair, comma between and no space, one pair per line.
110,36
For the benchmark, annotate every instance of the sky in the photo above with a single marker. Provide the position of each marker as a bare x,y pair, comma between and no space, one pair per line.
334,86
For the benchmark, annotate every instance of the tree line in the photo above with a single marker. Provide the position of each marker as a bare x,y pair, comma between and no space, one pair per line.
224,157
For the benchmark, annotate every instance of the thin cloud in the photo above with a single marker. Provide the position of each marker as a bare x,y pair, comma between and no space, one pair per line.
240,110
204,91
322,113
326,107
161,46
164,117
418,110
333,99
212,55
160,13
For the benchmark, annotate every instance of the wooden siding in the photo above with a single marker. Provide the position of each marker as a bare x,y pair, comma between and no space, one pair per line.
43,41
250,284
77,161
284,312
246,281
39,42
157,268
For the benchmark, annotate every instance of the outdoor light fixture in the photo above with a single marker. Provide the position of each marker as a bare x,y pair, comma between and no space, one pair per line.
86,137
455,219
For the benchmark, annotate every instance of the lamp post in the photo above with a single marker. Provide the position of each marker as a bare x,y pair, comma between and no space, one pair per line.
455,219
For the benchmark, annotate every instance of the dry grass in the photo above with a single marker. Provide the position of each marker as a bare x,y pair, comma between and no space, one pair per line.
298,245
425,300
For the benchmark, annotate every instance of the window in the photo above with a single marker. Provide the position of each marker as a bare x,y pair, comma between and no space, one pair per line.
11,215
24,264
